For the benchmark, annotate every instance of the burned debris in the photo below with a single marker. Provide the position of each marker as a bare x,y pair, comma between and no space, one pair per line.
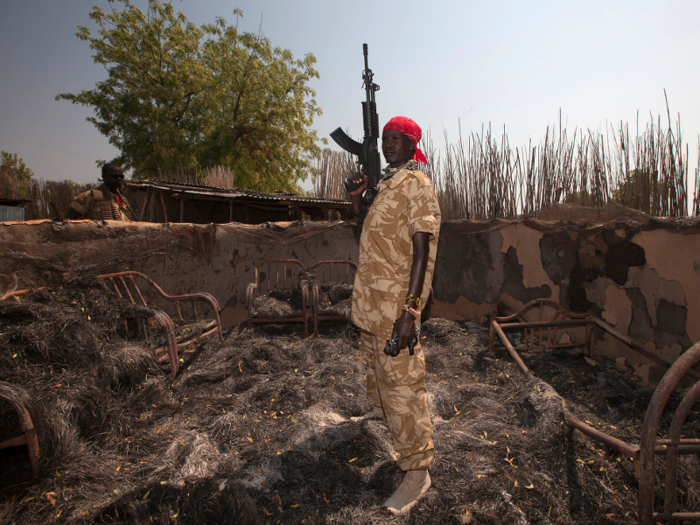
269,427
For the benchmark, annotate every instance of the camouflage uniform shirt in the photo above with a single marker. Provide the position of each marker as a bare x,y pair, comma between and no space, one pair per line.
102,204
405,205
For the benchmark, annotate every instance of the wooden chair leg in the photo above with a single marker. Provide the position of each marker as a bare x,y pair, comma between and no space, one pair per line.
15,396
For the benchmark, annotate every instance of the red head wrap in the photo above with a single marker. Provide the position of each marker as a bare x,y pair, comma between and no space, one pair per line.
409,128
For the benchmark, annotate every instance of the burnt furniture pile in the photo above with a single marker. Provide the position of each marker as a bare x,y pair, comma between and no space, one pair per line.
540,325
285,291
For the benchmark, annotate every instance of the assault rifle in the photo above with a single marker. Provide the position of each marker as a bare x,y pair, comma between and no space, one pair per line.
367,151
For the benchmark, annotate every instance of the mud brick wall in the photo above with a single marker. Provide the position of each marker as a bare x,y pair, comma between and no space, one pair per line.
639,274
181,258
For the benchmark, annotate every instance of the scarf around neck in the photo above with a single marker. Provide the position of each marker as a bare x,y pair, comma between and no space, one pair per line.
389,171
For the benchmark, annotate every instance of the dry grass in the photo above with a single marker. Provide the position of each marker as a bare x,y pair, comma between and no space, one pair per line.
696,193
49,199
331,169
216,176
480,177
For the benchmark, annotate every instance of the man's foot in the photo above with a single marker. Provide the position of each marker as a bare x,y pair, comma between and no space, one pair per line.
414,485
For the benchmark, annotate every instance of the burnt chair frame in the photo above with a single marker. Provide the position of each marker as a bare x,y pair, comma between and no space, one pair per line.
14,395
650,445
326,269
267,276
125,286
176,348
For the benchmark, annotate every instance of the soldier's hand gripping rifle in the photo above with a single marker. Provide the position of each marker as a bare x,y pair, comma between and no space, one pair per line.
368,150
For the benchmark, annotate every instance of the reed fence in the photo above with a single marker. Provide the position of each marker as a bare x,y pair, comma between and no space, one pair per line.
48,199
330,171
215,176
480,176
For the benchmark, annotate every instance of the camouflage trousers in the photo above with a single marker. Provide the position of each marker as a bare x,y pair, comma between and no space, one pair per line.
397,386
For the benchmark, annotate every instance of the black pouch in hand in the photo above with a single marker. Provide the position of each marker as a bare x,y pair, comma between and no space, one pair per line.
392,344
391,347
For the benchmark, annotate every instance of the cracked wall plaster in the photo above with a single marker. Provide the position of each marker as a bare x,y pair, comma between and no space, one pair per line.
526,242
673,256
617,310
595,290
654,288
558,253
469,264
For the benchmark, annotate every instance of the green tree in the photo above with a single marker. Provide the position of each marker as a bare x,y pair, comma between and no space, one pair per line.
12,166
14,176
182,97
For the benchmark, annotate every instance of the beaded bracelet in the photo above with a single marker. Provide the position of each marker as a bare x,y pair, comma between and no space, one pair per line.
414,298
412,311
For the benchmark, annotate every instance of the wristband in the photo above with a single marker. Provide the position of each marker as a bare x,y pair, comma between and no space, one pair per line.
410,310
413,298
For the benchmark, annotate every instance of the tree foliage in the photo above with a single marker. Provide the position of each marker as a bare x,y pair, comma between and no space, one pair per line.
14,176
12,166
182,97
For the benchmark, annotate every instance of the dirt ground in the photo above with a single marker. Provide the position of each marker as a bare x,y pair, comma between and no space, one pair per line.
270,427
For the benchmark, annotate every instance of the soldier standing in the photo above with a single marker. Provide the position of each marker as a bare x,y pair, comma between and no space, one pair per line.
398,245
106,202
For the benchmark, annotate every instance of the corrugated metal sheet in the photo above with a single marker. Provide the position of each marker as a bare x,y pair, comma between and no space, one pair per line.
191,189
11,213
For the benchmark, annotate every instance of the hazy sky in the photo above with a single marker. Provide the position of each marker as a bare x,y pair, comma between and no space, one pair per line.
511,63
